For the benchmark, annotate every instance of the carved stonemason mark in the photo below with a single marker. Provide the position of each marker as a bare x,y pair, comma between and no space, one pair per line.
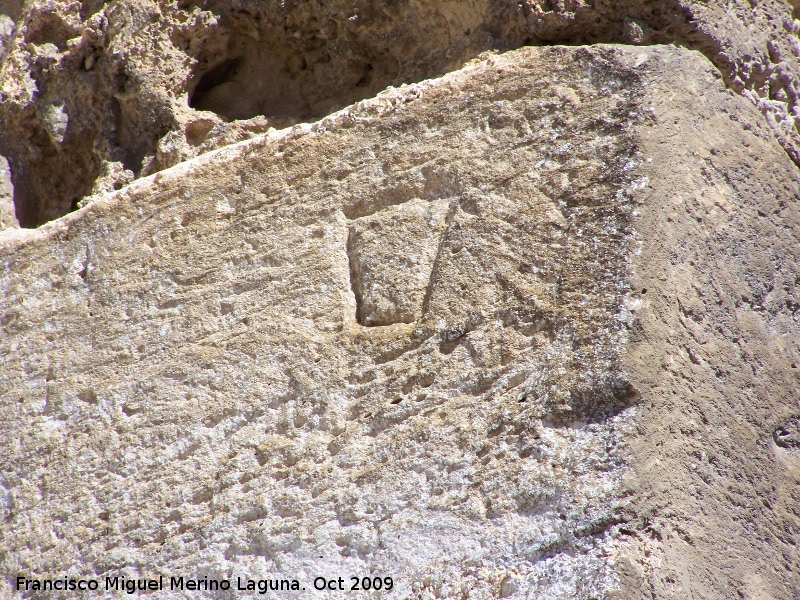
392,254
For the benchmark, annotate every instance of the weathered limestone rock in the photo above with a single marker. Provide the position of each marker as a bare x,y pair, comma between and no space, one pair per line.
94,94
714,353
529,330
273,426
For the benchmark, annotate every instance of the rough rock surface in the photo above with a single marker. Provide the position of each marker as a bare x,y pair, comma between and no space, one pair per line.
94,94
714,352
529,330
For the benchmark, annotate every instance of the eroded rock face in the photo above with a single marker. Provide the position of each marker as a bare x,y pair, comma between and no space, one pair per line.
95,94
713,351
407,358
524,331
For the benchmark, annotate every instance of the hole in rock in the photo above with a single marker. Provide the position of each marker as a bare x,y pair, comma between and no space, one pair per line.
391,254
289,79
302,61
210,91
796,8
788,435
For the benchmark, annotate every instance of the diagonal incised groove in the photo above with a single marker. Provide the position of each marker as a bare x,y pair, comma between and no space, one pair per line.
437,261
355,274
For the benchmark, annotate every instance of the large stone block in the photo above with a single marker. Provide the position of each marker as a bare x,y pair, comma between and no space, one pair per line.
528,330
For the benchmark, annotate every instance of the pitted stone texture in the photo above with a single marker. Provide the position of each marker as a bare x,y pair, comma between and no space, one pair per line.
220,410
788,435
186,387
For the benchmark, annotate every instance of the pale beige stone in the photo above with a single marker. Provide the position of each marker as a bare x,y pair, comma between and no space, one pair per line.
528,330
571,393
392,254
